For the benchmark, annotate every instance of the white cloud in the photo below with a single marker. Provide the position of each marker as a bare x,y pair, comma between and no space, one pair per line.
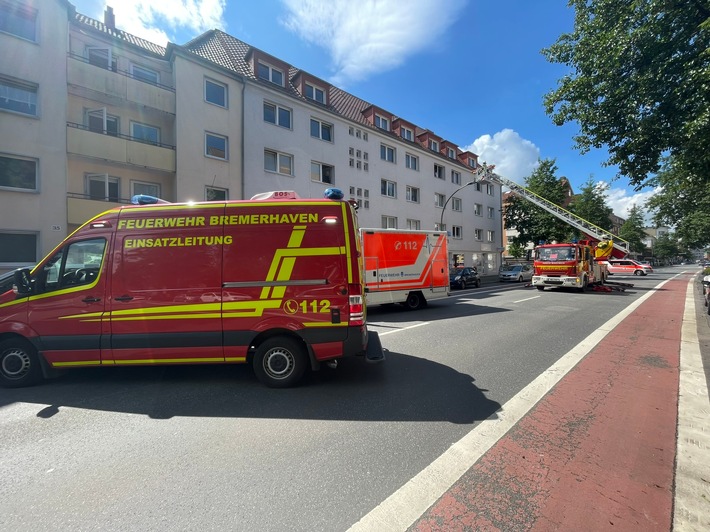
621,201
158,22
515,158
369,36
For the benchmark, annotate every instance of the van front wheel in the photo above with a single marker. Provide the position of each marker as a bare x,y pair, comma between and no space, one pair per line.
19,364
280,362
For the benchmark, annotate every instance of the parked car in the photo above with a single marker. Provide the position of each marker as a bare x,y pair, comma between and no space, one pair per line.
628,267
516,272
464,278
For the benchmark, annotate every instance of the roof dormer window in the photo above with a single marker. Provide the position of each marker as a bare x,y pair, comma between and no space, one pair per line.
382,122
433,145
451,153
315,93
269,73
407,134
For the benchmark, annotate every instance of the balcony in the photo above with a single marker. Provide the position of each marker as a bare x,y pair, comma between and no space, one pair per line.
81,208
120,85
119,148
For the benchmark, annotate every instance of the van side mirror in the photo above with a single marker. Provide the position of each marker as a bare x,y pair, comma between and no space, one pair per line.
23,282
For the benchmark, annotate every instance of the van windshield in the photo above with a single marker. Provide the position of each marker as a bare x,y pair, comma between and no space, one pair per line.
555,254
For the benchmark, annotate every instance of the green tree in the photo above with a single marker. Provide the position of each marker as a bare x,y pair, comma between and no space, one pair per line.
638,83
516,250
533,223
590,204
665,248
682,203
633,230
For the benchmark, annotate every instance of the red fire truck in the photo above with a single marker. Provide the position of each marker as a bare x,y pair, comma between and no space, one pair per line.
572,265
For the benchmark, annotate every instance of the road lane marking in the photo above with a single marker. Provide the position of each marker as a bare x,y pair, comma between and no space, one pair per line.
403,328
527,299
401,509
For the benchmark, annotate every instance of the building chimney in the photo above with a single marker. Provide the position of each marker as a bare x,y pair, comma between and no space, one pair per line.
109,18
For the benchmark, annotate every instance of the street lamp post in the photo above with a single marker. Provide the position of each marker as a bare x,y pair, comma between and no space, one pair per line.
441,222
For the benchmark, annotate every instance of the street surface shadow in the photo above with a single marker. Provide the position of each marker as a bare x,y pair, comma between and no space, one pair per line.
403,388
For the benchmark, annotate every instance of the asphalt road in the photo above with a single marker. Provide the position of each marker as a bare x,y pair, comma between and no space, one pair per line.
209,448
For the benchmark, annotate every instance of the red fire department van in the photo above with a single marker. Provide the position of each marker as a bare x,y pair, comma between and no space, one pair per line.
275,281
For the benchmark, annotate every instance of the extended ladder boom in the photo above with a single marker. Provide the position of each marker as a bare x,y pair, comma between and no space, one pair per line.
588,228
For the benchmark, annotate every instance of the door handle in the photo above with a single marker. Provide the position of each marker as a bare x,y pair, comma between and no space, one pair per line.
91,299
124,298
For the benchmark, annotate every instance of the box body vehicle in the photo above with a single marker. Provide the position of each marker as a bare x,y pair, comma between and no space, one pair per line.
405,266
464,278
275,282
571,265
516,272
628,267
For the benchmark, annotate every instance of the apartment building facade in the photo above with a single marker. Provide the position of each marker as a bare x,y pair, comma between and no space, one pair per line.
216,119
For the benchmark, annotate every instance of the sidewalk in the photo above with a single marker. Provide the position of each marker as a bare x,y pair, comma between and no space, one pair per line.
621,442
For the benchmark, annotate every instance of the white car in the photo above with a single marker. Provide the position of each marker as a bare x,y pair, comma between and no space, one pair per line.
516,272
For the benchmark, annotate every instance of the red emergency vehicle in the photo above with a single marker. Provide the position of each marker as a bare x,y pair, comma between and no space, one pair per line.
275,281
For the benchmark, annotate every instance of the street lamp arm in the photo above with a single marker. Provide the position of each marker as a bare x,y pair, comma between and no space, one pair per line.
441,222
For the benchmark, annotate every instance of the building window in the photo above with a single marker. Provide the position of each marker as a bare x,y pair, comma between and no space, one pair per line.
407,134
472,162
148,189
382,122
215,93
103,187
365,166
491,212
411,161
413,194
414,224
491,236
439,200
387,153
18,248
457,232
216,194
478,186
440,227
18,97
315,93
101,57
281,163
455,177
389,222
451,153
269,73
433,145
99,121
18,173
478,234
277,115
322,172
19,21
456,204
439,171
216,146
388,188
321,130
351,131
145,133
145,74
478,209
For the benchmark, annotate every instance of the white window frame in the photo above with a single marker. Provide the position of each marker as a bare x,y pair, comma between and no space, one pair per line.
107,181
491,235
271,71
434,145
388,188
413,194
220,190
321,126
110,59
414,225
319,169
439,171
439,200
478,234
136,183
411,161
147,74
388,153
314,91
283,162
278,110
491,212
26,14
389,222
137,138
451,153
472,162
407,134
456,232
478,209
209,134
382,122
455,177
22,93
490,190
35,188
220,85
106,119
456,204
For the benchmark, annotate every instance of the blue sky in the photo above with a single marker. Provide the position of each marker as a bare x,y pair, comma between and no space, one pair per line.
469,70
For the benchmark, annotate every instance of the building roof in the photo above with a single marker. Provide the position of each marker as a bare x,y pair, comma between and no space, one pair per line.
120,35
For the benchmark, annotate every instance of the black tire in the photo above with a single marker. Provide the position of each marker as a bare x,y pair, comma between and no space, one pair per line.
541,288
520,279
478,283
415,300
280,362
462,285
19,364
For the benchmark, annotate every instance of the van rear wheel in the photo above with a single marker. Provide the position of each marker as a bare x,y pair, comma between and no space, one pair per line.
415,300
280,362
19,364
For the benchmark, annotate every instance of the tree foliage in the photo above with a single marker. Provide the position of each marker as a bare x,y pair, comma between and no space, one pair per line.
639,83
516,250
666,247
633,230
590,204
533,223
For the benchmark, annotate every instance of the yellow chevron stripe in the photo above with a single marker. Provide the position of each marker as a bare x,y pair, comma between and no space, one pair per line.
80,363
235,359
124,362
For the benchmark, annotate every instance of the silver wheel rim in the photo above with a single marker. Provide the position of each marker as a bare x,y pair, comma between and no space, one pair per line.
279,363
16,364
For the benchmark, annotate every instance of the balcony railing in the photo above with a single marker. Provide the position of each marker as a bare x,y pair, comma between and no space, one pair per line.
120,136
120,72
